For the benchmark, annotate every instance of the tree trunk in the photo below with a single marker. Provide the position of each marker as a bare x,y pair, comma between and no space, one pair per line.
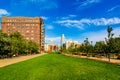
109,57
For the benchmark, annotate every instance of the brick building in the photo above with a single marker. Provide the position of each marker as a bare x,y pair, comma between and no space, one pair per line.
30,28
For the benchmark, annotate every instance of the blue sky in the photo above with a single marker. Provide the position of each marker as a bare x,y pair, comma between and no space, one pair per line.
76,19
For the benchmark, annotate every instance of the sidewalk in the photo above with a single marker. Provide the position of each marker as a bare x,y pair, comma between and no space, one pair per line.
5,62
115,61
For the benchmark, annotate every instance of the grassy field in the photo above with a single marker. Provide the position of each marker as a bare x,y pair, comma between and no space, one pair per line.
60,67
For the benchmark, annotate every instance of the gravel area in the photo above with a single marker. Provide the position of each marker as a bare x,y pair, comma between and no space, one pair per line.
115,61
8,61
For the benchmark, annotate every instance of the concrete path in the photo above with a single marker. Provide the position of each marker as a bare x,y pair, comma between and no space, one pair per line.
115,61
5,62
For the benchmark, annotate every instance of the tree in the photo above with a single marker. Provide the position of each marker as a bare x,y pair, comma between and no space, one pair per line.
71,48
87,46
100,47
33,47
109,30
110,41
4,44
16,43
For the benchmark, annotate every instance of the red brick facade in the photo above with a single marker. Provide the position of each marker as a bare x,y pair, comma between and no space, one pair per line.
30,28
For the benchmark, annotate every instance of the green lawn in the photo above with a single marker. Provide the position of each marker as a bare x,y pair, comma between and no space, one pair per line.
60,67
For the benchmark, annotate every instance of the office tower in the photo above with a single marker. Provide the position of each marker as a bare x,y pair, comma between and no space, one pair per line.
62,40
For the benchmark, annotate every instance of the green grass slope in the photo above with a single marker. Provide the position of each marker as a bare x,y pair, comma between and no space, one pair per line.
60,67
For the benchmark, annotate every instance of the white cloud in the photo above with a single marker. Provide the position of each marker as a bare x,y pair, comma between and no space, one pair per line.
44,17
83,22
113,8
72,15
87,3
4,12
70,23
69,16
49,27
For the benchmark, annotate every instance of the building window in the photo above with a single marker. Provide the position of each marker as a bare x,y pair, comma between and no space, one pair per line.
13,26
27,31
8,24
32,31
27,38
32,24
32,38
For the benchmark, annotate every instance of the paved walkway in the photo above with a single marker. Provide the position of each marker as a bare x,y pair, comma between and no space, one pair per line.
5,62
115,61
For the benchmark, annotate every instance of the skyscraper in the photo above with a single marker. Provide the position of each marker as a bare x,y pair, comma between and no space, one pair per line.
30,28
62,40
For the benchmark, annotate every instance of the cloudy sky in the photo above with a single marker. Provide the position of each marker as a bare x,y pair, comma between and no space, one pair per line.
76,19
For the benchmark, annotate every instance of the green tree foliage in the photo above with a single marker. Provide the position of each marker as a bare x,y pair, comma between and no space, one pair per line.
99,47
71,48
33,47
15,44
116,45
4,43
110,41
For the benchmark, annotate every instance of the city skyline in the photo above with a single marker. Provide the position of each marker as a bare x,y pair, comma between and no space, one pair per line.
76,19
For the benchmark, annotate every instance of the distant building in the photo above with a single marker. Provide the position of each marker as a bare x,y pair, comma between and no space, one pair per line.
69,43
30,28
62,40
53,48
52,42
46,47
50,48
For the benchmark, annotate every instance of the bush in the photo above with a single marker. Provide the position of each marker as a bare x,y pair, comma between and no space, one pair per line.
59,52
84,54
118,57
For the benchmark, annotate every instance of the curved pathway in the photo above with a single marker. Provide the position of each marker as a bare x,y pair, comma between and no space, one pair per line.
115,61
5,62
